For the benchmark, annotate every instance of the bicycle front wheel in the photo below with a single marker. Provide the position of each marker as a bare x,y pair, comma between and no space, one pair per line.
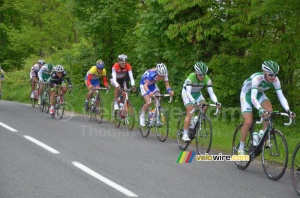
203,135
236,144
46,102
60,109
162,125
98,110
295,169
181,144
129,117
145,130
275,155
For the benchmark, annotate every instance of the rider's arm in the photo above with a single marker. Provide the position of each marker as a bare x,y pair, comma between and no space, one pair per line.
88,80
114,77
40,72
188,89
284,103
212,95
254,99
168,87
104,78
131,77
146,84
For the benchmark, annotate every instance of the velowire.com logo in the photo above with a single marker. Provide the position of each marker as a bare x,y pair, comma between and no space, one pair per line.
188,156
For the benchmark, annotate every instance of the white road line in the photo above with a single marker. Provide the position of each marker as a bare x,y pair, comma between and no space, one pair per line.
41,144
8,127
104,180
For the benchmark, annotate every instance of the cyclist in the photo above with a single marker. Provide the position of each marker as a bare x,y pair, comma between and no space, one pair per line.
92,80
58,77
1,80
149,88
44,76
34,75
252,94
120,72
191,94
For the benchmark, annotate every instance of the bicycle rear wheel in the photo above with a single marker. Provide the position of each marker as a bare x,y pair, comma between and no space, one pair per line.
203,135
181,144
295,169
98,110
162,125
275,156
33,102
145,130
236,144
129,118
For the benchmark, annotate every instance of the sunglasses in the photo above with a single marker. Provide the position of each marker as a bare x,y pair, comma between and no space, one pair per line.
272,75
201,74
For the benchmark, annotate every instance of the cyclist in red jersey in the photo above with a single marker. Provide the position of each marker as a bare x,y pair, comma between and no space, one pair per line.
120,72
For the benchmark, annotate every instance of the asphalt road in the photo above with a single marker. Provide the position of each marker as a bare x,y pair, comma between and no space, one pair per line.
44,157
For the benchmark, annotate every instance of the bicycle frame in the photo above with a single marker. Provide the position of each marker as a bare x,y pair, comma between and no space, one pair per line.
157,107
267,132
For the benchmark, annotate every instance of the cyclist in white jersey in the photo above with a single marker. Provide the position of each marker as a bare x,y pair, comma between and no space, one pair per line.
252,94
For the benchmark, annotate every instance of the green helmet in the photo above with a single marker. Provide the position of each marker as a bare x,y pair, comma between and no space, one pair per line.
50,66
200,68
270,67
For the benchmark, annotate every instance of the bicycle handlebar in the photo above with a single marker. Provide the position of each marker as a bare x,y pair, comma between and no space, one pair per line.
101,88
203,105
162,95
277,113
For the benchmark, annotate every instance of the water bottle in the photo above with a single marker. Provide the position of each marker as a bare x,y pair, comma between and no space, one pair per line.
121,106
93,100
193,122
57,100
261,134
255,139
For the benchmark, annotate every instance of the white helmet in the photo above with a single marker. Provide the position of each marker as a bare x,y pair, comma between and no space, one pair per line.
161,69
42,62
59,68
122,57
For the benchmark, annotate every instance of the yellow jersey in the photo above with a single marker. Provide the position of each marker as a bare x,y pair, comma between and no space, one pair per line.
94,72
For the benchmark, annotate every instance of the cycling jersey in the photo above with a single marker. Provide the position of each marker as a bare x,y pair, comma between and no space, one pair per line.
192,87
55,79
120,73
2,74
253,89
34,70
93,76
150,77
44,73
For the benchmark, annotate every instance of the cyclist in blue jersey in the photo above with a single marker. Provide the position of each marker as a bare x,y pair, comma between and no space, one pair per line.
149,88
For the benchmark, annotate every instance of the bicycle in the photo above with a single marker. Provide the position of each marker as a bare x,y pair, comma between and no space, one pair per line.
125,112
95,106
35,94
272,145
156,118
59,107
200,129
45,103
295,168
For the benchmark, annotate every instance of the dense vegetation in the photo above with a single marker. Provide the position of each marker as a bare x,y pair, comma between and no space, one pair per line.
232,36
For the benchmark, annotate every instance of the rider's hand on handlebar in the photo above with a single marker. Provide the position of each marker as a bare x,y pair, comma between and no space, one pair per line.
262,112
218,105
70,87
291,114
171,93
133,89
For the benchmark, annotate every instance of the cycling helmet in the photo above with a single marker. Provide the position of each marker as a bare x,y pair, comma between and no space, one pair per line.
59,68
270,67
200,68
122,57
100,64
50,66
161,69
42,62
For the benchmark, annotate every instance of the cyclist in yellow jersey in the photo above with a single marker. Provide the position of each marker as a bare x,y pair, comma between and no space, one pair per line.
92,79
1,80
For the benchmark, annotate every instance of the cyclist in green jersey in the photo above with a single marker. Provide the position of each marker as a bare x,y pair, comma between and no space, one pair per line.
191,93
252,94
44,76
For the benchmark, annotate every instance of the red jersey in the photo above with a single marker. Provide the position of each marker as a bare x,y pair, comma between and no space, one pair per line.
121,72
